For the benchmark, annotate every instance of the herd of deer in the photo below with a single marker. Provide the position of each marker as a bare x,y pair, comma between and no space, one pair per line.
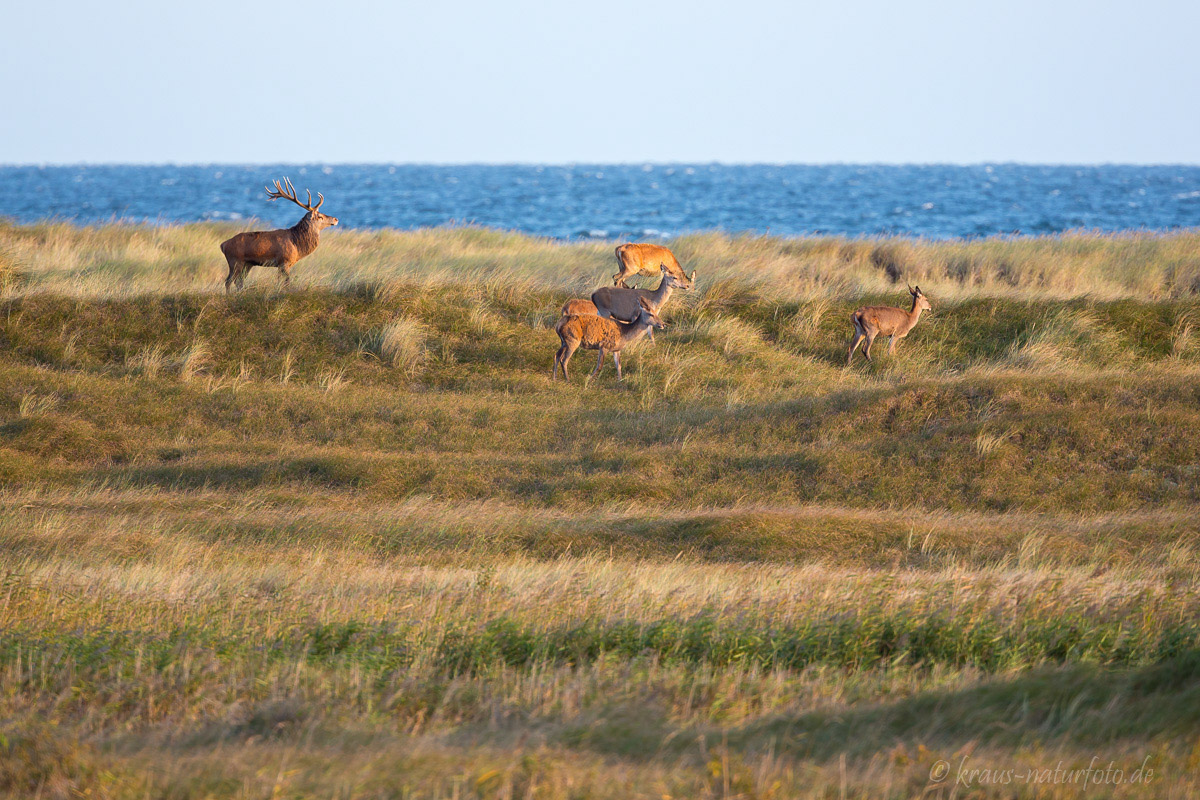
615,317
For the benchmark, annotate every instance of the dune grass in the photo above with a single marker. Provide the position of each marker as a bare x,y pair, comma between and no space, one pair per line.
116,259
349,540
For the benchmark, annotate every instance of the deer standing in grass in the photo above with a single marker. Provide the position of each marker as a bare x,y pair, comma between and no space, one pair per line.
623,305
280,248
870,321
597,333
646,259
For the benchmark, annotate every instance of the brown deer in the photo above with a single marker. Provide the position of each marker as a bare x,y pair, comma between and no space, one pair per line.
580,308
618,303
646,259
613,302
597,333
281,248
870,321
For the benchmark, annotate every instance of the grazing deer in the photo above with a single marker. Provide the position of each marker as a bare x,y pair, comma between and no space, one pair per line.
620,304
281,248
870,321
598,333
646,259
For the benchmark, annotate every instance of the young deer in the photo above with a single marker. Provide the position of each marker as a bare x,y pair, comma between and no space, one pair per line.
280,248
870,321
613,302
598,333
645,259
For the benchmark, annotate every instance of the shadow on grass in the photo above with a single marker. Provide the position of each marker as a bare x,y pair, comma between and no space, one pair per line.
1080,705
334,472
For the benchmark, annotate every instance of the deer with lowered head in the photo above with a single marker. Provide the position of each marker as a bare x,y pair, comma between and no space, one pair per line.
280,248
871,321
646,259
623,305
598,333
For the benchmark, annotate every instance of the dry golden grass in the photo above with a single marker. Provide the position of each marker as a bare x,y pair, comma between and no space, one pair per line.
350,541
223,654
123,259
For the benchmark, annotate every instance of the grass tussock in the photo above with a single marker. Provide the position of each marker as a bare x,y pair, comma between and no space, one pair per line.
402,344
349,540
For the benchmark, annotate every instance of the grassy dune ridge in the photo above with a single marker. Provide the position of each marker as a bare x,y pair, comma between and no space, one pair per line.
350,540
122,258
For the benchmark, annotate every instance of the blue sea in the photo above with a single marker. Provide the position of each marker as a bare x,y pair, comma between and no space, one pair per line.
632,201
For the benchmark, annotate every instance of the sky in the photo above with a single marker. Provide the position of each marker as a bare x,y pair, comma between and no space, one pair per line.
504,81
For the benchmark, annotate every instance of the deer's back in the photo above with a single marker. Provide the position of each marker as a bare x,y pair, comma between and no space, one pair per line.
624,304
579,308
884,319
261,246
646,258
589,331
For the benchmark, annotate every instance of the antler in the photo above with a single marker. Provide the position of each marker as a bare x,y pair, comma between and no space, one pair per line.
288,192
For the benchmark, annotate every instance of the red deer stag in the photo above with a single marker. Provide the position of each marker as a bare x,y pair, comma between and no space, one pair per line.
870,321
598,333
281,248
646,259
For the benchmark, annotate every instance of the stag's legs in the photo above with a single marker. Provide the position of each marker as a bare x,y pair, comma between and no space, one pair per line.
892,345
599,363
237,275
617,361
285,277
232,276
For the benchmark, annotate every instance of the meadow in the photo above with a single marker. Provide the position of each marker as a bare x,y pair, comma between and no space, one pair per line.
348,540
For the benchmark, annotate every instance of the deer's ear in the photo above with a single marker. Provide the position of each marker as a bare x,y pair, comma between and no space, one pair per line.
642,302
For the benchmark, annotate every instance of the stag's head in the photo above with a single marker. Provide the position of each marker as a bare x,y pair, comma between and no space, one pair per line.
314,216
680,279
919,299
649,316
